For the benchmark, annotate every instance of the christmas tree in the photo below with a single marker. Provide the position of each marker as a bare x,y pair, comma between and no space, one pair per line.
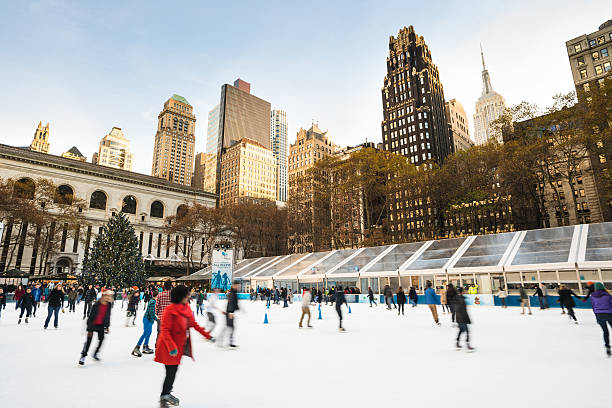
114,259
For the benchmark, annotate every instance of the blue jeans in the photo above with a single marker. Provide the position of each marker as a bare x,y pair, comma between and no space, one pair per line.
267,301
200,309
52,310
148,328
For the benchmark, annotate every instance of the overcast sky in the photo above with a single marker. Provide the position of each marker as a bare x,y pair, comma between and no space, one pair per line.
88,66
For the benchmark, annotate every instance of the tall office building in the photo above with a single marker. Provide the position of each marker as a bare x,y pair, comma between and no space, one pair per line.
212,149
278,145
174,141
241,115
40,143
489,107
199,171
589,56
114,151
248,172
458,123
414,116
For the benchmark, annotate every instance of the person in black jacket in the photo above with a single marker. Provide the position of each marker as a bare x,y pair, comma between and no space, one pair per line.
340,300
132,308
98,322
566,299
371,297
2,300
538,292
401,300
56,301
232,306
27,301
463,319
89,297
451,292
412,295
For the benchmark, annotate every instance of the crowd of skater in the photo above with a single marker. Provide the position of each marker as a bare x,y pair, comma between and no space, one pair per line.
173,310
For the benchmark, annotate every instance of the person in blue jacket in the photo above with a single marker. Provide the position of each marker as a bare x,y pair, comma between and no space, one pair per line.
37,293
432,301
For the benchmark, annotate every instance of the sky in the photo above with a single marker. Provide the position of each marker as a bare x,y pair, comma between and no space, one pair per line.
87,66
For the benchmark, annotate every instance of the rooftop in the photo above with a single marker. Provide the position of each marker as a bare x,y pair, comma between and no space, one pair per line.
180,99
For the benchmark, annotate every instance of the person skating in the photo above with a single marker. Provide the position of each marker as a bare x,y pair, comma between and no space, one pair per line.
432,300
200,303
413,297
401,300
451,292
524,300
502,295
26,304
463,319
124,297
55,301
211,309
444,300
19,292
72,297
601,301
147,325
371,297
89,297
37,293
538,292
163,300
566,299
2,300
132,307
230,310
306,299
340,300
98,322
174,340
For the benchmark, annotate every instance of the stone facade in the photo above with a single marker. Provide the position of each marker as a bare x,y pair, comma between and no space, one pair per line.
40,143
489,107
458,123
589,56
155,199
114,151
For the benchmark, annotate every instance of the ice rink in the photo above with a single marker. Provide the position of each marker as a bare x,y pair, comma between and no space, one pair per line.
382,359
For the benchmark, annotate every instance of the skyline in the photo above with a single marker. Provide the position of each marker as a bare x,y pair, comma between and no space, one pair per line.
85,70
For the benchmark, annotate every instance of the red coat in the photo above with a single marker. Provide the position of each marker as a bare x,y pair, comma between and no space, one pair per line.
18,294
174,334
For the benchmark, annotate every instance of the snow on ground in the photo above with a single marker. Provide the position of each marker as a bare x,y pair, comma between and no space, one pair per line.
538,360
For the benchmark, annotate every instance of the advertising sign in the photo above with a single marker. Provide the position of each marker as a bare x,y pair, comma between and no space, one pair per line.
222,268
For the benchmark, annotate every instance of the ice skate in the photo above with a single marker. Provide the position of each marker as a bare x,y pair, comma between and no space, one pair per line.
168,400
608,351
136,352
26,320
233,347
82,360
470,349
457,346
342,330
19,321
96,357
147,350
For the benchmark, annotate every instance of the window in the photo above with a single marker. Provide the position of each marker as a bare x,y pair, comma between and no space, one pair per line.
181,211
604,52
63,195
580,61
607,66
157,209
583,73
602,158
601,40
593,43
24,188
595,55
598,69
98,200
129,205
577,48
586,87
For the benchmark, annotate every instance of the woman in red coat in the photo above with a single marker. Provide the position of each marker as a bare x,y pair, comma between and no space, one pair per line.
174,340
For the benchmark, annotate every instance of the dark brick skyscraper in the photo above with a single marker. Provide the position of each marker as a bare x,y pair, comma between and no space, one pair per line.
414,117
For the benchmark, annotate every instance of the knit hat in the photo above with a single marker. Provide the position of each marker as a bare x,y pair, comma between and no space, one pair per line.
599,286
108,292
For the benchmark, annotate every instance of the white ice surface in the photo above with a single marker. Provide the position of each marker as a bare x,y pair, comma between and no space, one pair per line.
525,361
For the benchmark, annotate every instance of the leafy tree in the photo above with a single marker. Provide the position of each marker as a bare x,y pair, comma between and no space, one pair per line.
114,259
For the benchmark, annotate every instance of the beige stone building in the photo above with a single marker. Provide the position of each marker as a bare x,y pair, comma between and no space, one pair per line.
74,154
202,160
458,123
174,142
589,56
146,201
40,143
248,171
114,151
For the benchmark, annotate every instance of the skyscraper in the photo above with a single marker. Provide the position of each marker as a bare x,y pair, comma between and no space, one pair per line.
199,171
414,116
114,151
74,154
589,56
40,143
212,150
241,115
458,123
174,141
489,107
278,145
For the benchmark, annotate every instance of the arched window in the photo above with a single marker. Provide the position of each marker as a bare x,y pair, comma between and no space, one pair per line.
174,123
98,200
24,188
181,211
63,195
157,209
129,205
